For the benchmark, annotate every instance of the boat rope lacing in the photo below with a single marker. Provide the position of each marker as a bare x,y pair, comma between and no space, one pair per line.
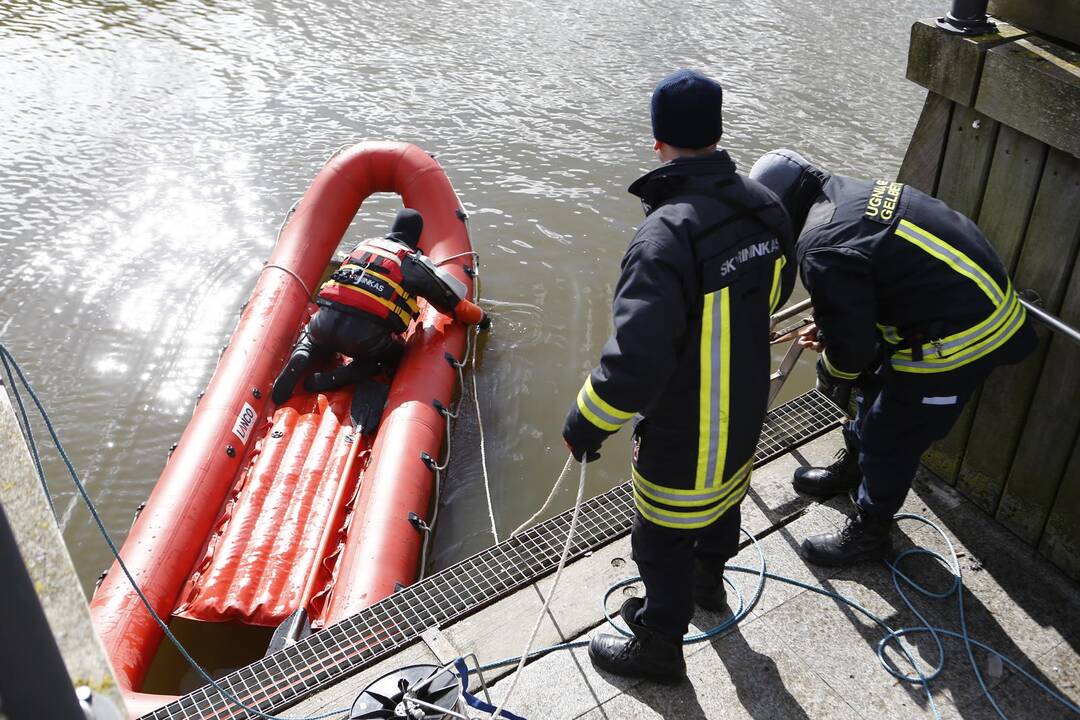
471,341
891,638
282,268
287,271
475,382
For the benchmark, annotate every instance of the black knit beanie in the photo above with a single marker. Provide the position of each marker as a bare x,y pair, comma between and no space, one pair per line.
686,110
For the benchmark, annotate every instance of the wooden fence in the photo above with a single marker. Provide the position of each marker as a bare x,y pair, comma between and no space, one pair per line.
999,140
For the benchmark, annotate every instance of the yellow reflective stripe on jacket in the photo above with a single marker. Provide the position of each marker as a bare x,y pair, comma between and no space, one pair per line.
890,334
693,519
990,342
599,412
680,497
955,259
715,388
396,309
405,296
945,347
777,283
833,369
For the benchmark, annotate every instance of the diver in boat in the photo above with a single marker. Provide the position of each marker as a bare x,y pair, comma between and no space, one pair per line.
367,304
911,304
690,354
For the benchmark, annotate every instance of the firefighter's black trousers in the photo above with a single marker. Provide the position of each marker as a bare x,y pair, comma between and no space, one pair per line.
894,425
666,560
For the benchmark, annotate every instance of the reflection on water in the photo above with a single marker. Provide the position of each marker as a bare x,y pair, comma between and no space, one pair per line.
149,150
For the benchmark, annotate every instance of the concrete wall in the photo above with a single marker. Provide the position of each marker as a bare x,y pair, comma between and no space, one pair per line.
48,562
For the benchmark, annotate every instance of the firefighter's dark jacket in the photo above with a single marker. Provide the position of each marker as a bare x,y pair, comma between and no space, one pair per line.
690,350
891,268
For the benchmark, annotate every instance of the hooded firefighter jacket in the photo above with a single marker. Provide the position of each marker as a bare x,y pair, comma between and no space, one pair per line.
889,267
690,350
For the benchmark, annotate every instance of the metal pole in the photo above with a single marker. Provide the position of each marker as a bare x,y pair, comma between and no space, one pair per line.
967,17
34,682
789,312
1053,322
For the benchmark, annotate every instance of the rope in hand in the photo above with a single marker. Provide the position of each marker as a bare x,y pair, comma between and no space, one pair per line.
554,585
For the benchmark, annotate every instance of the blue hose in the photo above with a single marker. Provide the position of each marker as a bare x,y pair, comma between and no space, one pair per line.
892,636
899,579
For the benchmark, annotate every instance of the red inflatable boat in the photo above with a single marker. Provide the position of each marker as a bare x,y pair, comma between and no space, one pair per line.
259,507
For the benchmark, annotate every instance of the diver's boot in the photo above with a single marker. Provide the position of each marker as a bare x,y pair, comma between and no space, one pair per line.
862,538
286,381
649,654
843,475
709,591
298,362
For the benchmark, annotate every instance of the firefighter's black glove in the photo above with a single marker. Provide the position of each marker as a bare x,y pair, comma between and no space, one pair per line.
834,388
582,437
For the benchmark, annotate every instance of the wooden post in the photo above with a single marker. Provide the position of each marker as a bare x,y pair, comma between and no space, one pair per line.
921,167
1049,247
969,150
1061,538
999,140
1038,467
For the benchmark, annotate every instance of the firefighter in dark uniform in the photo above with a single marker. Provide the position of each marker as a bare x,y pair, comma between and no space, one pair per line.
911,304
690,354
368,303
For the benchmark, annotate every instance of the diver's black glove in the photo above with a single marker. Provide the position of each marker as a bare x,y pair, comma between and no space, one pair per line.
836,389
485,323
582,437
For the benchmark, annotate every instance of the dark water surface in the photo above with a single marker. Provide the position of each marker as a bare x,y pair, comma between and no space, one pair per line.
149,150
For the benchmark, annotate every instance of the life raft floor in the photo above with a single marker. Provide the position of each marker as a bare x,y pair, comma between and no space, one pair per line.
265,543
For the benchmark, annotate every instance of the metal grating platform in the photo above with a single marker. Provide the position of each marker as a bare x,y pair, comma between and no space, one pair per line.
329,655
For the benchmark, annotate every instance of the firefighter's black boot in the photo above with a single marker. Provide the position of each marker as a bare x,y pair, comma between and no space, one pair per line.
862,538
648,654
842,476
709,591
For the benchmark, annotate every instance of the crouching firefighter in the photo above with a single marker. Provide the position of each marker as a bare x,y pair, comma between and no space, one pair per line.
690,354
365,307
909,296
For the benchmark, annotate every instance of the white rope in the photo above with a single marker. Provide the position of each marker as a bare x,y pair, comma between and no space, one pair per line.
469,253
554,584
483,451
277,237
439,469
287,271
547,503
476,388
